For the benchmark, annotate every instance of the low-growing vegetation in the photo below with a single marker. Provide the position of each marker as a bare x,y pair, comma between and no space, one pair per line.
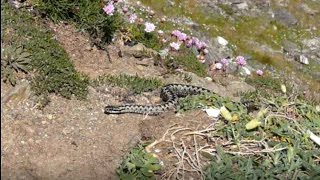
49,65
272,141
272,138
87,15
138,164
188,61
278,148
134,83
13,60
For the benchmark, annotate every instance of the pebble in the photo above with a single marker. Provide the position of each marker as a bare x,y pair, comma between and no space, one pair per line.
50,116
222,41
302,59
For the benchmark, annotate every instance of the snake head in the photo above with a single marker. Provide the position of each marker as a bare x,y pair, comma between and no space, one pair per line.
113,110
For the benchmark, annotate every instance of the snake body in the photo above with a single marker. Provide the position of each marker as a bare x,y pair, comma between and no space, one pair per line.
169,94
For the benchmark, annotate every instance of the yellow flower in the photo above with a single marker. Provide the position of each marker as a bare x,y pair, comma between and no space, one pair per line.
225,113
253,124
283,88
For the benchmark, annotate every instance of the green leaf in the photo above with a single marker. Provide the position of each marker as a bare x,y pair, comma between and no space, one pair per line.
147,172
130,166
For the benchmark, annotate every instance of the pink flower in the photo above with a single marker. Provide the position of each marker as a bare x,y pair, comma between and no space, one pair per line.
225,62
149,27
198,45
241,61
218,66
175,33
109,9
203,45
195,40
189,43
205,51
182,36
259,72
175,45
125,9
132,18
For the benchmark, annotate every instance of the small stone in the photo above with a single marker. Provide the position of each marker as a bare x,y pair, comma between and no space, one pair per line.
213,112
88,48
222,41
50,116
208,79
285,17
302,59
246,71
157,150
242,6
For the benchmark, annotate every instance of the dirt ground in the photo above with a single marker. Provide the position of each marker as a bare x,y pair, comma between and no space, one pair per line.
73,139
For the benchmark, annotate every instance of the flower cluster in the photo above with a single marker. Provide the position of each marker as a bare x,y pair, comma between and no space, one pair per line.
109,9
177,39
189,42
240,61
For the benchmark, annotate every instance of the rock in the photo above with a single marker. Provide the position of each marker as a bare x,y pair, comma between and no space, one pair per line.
302,59
304,7
312,44
242,6
216,50
290,49
238,87
311,48
138,51
245,71
222,41
285,17
20,92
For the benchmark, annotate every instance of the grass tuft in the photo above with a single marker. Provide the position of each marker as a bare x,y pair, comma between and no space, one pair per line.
134,83
87,14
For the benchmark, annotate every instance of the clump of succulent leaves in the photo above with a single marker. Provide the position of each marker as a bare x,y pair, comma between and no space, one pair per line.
13,60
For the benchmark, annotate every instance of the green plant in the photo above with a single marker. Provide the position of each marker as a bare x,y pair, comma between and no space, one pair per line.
287,152
87,14
13,60
58,10
188,61
149,39
138,164
274,165
208,100
134,83
53,72
98,24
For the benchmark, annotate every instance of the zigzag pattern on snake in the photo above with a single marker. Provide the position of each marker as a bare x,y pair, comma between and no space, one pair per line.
169,94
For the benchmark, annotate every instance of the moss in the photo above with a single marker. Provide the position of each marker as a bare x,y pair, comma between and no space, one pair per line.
53,70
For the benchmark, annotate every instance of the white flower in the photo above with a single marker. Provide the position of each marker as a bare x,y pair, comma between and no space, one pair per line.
175,45
149,27
218,66
160,32
132,18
